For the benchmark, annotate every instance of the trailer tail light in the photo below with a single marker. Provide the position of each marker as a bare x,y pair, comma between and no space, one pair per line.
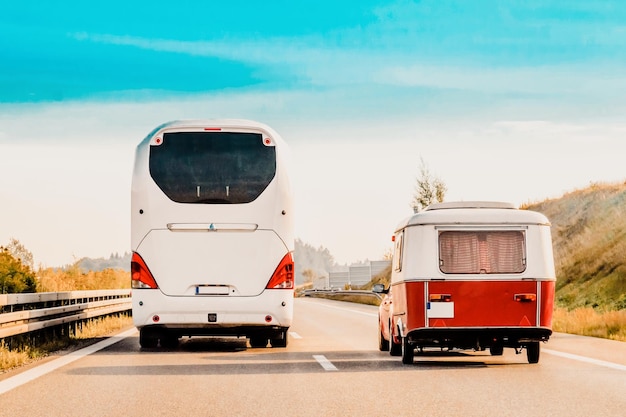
525,298
283,276
141,277
442,298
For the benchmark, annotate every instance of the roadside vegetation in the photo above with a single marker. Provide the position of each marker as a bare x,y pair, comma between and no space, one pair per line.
73,278
17,275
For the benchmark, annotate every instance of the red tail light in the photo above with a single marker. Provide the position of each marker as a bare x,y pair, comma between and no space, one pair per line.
283,276
140,274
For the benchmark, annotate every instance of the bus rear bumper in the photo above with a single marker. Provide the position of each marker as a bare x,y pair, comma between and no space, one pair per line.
269,312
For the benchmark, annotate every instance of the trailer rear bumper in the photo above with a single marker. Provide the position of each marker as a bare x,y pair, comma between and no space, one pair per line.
477,337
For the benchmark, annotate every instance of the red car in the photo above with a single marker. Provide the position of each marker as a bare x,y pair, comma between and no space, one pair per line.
385,312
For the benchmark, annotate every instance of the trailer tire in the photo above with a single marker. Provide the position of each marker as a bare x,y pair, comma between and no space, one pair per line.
408,351
533,351
496,350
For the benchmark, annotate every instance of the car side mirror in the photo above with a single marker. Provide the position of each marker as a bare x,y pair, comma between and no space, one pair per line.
379,289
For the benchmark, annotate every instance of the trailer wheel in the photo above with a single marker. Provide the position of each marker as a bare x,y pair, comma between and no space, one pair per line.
496,350
532,352
383,344
395,349
408,351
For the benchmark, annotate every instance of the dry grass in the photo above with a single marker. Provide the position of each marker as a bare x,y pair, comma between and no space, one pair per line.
102,326
25,354
589,240
73,279
589,322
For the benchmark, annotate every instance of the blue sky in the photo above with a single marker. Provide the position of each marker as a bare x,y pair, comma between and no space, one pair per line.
511,100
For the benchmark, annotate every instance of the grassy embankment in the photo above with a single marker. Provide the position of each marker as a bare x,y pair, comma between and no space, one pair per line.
589,240
23,351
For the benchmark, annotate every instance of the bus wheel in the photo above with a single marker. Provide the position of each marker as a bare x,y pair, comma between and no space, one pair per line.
395,349
258,341
532,352
280,342
147,339
496,350
408,351
169,341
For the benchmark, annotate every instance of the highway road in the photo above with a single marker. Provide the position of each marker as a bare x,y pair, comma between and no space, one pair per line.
332,367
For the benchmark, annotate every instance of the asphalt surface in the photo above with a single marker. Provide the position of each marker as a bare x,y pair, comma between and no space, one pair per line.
331,367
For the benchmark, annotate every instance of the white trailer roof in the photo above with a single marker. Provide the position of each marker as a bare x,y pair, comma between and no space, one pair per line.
474,213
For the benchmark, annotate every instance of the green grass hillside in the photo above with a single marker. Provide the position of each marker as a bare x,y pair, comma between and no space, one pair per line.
589,240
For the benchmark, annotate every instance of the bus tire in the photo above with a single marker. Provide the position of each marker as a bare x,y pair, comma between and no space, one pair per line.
258,341
532,352
279,342
147,339
169,341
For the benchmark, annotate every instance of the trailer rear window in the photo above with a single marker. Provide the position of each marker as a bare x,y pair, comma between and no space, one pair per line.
482,252
212,167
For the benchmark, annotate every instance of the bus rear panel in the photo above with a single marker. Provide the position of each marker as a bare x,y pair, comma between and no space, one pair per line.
212,233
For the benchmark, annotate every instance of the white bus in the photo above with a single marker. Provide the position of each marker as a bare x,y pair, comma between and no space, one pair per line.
212,233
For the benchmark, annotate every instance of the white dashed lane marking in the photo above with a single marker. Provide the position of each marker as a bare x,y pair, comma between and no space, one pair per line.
326,364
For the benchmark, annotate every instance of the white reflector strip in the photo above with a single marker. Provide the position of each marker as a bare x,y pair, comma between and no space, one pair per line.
326,364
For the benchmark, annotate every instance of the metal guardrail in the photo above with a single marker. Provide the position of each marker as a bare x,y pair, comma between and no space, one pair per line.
24,313
331,293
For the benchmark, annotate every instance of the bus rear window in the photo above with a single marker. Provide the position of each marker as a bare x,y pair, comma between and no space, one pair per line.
212,167
482,252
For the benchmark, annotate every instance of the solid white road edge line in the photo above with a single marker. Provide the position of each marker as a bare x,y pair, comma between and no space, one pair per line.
326,364
34,373
585,359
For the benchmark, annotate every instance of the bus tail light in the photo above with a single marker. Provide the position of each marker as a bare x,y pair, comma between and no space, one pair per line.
283,277
141,277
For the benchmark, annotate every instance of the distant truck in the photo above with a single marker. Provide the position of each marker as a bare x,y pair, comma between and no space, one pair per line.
470,275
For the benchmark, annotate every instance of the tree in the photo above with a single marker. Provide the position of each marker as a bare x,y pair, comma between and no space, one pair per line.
15,276
429,189
309,276
19,252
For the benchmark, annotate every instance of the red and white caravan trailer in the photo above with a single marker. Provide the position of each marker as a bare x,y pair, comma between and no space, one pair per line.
470,275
